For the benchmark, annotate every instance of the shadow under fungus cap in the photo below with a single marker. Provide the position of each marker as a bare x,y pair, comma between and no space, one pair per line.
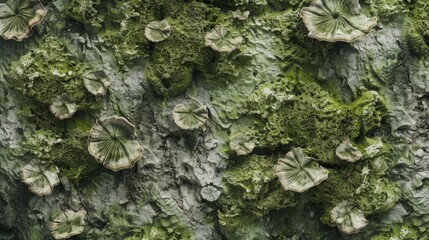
68,223
17,17
113,143
348,218
157,31
298,173
221,40
40,177
336,20
190,114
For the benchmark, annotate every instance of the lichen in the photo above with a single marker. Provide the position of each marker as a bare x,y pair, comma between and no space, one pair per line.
157,31
221,40
18,17
336,20
40,177
113,142
348,218
68,223
190,114
298,173
97,82
347,152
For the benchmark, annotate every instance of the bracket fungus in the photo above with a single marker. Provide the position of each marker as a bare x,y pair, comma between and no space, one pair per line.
347,152
190,114
157,31
240,15
221,40
40,177
298,173
17,17
96,82
336,20
348,218
113,142
242,144
68,223
63,107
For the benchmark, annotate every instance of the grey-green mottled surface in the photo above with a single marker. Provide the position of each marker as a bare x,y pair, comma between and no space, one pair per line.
280,88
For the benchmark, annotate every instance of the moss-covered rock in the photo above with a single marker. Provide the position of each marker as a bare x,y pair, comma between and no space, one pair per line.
250,193
369,192
66,148
415,28
295,110
50,70
174,61
399,231
87,12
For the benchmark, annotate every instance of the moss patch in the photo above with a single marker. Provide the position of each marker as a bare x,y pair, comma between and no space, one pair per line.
296,111
50,70
251,191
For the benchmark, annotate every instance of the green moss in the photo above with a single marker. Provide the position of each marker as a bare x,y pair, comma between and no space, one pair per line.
166,81
170,64
72,157
127,223
123,28
41,143
251,191
376,195
174,60
399,232
65,147
385,9
50,70
86,12
340,185
170,228
371,109
296,111
359,184
415,29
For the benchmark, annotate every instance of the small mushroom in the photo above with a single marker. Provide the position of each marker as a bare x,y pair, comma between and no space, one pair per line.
190,114
336,20
157,31
240,15
68,223
221,40
347,152
242,144
210,193
298,173
113,142
348,218
41,177
17,17
96,82
63,107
